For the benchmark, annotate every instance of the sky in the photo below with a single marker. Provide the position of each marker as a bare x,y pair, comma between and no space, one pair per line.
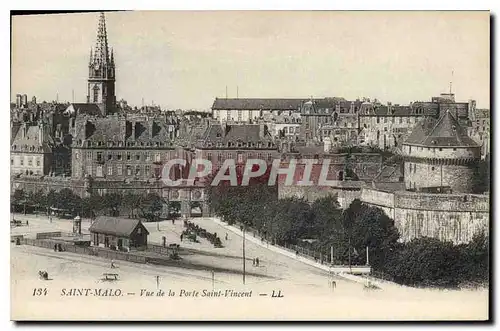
181,59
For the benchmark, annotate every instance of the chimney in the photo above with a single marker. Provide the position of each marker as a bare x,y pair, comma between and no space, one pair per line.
24,129
132,134
151,127
262,130
24,100
41,130
226,128
33,100
18,100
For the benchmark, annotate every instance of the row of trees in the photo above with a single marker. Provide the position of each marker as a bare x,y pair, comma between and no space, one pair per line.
421,262
148,206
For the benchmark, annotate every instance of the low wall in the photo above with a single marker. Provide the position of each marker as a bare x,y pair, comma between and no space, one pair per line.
47,235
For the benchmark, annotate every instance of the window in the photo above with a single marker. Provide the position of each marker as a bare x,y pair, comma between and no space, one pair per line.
89,170
77,156
407,120
157,157
119,170
22,161
137,157
209,156
440,149
432,168
240,157
148,156
128,156
89,155
269,157
99,156
400,120
119,156
129,170
96,94
147,170
99,171
239,115
378,120
137,170
110,170
110,156
385,119
30,162
11,161
219,157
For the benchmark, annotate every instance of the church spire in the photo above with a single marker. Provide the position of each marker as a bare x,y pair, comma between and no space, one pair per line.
101,47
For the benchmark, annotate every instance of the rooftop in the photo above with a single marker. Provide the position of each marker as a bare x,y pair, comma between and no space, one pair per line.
445,132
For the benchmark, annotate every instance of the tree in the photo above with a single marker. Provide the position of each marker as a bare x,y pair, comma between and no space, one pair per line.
130,202
289,223
112,202
426,262
174,208
150,206
368,226
475,258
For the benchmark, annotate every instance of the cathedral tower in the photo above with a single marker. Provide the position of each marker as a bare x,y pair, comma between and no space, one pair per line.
101,82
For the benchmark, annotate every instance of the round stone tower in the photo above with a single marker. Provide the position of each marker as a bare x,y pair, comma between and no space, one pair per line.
440,157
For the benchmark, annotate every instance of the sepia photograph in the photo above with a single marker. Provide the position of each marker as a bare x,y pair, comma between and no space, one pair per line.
250,166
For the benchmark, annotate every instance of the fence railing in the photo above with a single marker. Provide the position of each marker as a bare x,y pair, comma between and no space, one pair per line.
94,251
317,256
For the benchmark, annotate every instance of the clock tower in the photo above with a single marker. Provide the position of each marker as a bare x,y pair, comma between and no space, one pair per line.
101,82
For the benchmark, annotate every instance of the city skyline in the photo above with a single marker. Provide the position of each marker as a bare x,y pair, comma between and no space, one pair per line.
193,56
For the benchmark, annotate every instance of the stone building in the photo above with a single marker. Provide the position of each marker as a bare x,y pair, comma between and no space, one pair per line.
116,148
440,156
242,110
239,142
479,130
346,174
31,150
387,126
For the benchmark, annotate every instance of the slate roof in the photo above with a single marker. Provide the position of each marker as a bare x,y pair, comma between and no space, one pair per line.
446,131
117,129
31,142
115,226
257,104
220,135
91,109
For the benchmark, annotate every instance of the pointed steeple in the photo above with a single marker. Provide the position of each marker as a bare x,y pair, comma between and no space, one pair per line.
91,59
112,57
101,48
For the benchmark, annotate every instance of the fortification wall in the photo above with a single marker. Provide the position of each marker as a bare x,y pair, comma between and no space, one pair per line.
460,178
450,217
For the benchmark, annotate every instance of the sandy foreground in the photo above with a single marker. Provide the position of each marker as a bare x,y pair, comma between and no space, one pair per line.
76,290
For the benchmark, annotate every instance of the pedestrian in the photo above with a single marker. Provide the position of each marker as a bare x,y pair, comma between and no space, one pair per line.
296,253
27,223
257,261
227,236
253,262
181,237
173,221
55,247
50,219
112,264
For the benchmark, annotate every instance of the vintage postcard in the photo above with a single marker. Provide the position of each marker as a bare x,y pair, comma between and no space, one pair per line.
250,165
